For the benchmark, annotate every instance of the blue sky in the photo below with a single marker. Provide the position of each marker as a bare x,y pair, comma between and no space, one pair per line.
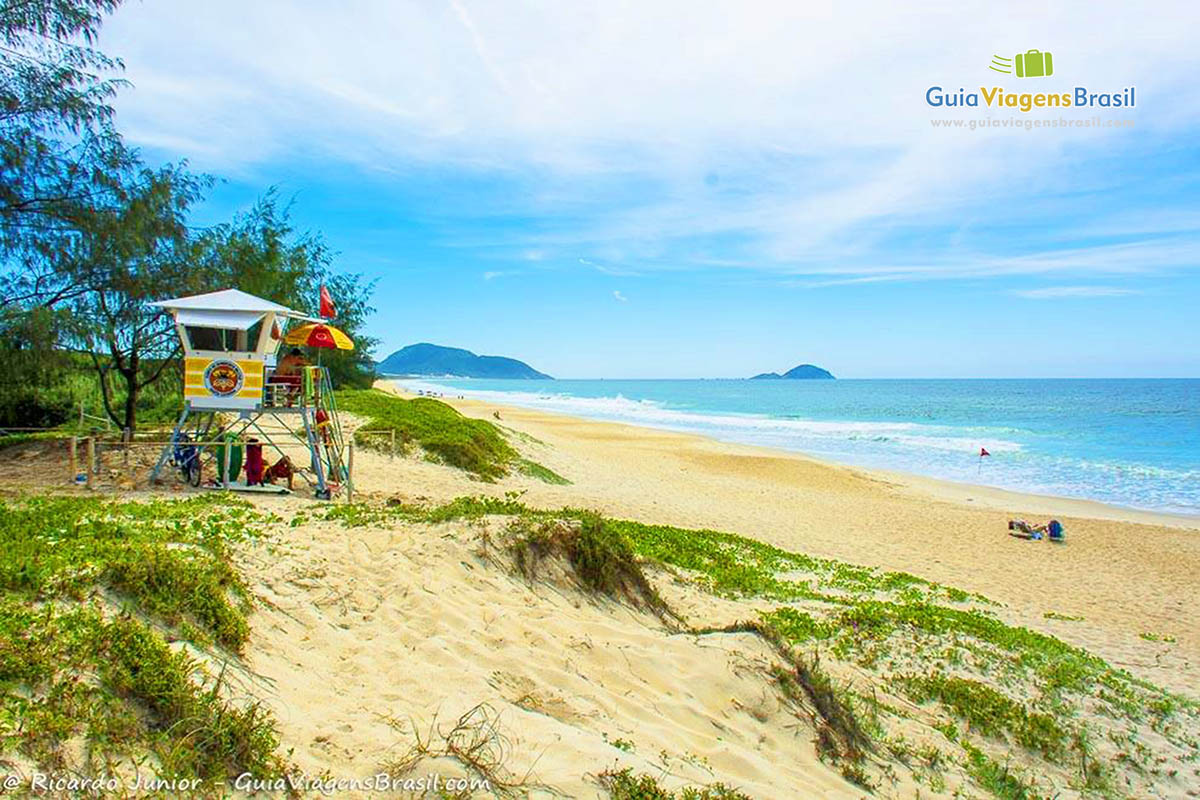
661,189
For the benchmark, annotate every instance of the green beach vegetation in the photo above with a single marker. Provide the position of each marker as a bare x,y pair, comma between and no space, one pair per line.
114,616
625,785
443,434
109,612
893,671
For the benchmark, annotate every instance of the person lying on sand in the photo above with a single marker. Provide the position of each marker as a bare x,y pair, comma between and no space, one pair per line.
1023,530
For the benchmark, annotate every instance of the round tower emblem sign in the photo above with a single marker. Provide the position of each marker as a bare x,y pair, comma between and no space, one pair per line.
224,378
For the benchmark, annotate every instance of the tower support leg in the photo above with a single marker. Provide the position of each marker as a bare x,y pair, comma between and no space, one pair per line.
314,449
166,453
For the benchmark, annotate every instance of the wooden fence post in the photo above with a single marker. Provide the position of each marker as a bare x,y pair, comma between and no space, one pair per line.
393,444
350,472
73,457
91,459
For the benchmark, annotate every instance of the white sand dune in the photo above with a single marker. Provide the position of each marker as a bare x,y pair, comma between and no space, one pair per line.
371,639
367,635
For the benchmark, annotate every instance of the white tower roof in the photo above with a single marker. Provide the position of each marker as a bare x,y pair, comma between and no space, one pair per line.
228,308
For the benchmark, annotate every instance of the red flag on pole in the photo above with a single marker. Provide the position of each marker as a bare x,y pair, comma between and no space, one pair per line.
983,452
327,308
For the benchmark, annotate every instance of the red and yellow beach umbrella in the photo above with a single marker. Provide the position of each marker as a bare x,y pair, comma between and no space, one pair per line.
319,335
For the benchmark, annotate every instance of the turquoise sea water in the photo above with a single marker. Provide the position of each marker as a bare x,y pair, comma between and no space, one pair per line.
1129,442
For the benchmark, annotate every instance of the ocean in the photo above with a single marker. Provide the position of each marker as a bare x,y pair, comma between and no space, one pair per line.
1133,442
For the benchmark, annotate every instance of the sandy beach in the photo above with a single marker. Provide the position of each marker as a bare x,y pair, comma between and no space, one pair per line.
1125,572
382,646
372,641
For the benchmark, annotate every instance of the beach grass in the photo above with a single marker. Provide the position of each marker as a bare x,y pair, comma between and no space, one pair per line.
92,595
1001,780
473,445
600,557
988,711
469,444
541,472
625,785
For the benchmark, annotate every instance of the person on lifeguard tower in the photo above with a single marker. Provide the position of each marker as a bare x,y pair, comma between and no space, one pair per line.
292,363
288,372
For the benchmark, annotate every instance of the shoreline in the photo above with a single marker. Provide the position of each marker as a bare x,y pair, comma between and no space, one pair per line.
1121,586
941,489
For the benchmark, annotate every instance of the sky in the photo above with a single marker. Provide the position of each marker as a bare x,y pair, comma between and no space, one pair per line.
661,189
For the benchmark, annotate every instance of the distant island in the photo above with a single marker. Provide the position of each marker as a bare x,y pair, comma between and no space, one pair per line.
804,372
431,360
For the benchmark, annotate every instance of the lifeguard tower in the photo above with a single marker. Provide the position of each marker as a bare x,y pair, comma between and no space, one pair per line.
230,342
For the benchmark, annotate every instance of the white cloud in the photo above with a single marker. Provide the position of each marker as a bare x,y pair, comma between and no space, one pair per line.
609,270
649,129
620,298
1055,292
1124,259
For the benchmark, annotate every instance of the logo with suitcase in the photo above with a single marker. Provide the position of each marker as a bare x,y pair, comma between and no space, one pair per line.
1030,64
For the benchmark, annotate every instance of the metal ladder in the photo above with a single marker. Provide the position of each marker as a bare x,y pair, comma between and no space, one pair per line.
327,450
